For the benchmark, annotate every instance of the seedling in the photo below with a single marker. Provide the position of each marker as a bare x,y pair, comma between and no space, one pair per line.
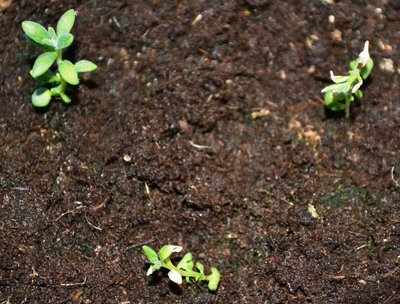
185,268
54,81
339,96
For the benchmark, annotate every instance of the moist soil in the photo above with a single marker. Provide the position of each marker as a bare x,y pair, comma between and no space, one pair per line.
203,127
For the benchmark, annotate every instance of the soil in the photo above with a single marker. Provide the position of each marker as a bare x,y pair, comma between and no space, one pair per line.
206,132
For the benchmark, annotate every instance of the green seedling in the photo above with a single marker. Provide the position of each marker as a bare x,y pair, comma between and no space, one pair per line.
185,268
340,96
54,81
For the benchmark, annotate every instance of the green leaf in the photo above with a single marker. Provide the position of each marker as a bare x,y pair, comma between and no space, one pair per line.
333,102
166,251
214,279
65,98
52,33
359,94
200,267
41,97
68,72
43,46
50,43
186,263
66,22
150,253
64,41
35,31
84,66
354,63
367,69
337,88
43,63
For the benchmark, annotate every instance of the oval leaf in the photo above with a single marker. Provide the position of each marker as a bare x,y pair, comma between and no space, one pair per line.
41,97
64,41
84,66
214,278
150,253
66,22
35,31
68,72
43,63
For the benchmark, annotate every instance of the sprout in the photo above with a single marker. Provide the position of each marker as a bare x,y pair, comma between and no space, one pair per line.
339,96
185,268
54,81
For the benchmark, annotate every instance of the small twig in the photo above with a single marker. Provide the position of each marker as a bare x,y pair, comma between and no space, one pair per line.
20,188
139,244
63,214
74,284
95,227
199,146
148,192
397,184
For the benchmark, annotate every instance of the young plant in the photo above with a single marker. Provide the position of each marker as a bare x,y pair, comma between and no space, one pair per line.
54,81
339,96
185,268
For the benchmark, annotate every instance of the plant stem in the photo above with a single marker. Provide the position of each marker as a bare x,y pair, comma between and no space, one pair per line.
168,264
347,107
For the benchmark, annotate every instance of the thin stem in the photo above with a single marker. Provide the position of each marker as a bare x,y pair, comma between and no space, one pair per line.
59,56
168,264
347,107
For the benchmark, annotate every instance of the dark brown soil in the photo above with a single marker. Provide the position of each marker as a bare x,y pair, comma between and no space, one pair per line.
178,99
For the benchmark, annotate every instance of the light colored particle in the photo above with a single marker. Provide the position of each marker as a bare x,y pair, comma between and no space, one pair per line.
336,36
5,4
329,2
246,13
387,65
362,282
350,135
384,46
331,19
229,81
311,70
197,19
312,137
282,75
313,212
127,158
260,113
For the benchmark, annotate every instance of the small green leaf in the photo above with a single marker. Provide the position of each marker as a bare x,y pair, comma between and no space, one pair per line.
166,251
186,263
68,72
367,69
214,279
354,64
200,267
66,22
359,94
65,98
84,66
50,43
333,102
41,97
337,88
52,33
64,41
35,31
43,63
150,253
